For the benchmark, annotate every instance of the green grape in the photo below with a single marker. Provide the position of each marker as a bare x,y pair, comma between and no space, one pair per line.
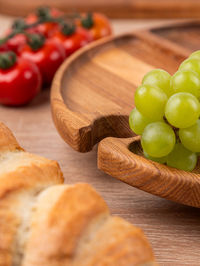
150,101
182,110
181,158
138,122
186,81
196,55
191,64
158,139
159,78
158,160
190,137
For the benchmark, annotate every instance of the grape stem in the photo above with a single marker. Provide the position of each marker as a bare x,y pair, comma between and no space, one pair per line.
175,129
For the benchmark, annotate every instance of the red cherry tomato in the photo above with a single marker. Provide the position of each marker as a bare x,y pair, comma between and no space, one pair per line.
100,27
20,83
16,43
48,58
74,41
4,48
47,28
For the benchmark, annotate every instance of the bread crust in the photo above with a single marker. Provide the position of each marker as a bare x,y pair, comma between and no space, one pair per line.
21,174
46,223
76,229
57,226
7,139
117,242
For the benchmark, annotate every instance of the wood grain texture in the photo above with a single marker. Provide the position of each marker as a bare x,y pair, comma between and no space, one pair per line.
86,110
123,159
114,8
173,229
187,35
93,91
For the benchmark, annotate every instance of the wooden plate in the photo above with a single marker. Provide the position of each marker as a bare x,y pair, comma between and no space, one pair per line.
92,96
123,159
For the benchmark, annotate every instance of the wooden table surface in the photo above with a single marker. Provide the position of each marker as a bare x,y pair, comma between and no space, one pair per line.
112,8
172,229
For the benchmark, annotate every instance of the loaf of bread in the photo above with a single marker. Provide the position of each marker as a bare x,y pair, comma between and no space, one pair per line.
46,223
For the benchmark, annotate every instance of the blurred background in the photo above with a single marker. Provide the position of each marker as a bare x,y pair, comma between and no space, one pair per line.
125,14
112,8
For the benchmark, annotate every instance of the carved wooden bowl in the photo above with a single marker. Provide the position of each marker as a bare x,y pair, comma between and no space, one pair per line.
93,94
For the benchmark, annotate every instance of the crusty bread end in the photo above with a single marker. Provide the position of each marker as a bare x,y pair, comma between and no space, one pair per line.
22,177
46,223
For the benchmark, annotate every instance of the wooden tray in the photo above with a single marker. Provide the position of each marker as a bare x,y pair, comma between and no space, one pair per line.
92,96
113,8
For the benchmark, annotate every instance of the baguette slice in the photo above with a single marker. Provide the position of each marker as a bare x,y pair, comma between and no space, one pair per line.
71,226
22,177
45,223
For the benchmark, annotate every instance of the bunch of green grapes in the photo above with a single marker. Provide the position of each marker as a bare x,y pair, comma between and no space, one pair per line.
167,115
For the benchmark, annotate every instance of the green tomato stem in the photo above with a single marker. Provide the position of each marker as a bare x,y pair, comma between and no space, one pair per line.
35,41
88,21
18,28
7,59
